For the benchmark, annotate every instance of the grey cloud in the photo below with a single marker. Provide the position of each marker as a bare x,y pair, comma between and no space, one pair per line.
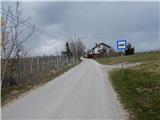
138,22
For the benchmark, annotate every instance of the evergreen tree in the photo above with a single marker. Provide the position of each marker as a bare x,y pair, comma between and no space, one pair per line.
130,50
68,51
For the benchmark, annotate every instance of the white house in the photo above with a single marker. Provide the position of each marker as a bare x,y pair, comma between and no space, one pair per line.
101,48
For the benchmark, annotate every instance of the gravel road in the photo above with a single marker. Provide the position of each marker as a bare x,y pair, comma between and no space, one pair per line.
84,92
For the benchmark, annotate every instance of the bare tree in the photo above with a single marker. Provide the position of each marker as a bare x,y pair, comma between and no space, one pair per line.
77,46
13,37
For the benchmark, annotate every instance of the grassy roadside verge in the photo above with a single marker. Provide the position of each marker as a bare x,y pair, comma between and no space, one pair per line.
139,90
150,56
13,92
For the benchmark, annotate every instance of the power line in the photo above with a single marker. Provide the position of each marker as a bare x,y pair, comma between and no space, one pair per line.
30,26
27,24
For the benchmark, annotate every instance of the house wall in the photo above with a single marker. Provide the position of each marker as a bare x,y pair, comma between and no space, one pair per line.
105,47
96,50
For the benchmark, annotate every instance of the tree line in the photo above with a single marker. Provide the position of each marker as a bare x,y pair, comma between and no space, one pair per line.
74,48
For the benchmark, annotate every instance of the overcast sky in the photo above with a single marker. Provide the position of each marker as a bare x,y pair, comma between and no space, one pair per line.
95,22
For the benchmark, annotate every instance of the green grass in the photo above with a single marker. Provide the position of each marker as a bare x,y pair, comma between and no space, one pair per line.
13,92
139,90
131,58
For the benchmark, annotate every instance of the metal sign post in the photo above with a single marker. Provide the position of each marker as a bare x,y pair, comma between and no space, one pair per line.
122,62
121,46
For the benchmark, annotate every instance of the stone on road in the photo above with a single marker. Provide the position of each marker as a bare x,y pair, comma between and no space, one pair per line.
84,92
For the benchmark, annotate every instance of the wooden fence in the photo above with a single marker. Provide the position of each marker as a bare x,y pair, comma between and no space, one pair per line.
23,69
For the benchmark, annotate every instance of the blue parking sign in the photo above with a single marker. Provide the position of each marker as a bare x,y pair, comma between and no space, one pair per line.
121,45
